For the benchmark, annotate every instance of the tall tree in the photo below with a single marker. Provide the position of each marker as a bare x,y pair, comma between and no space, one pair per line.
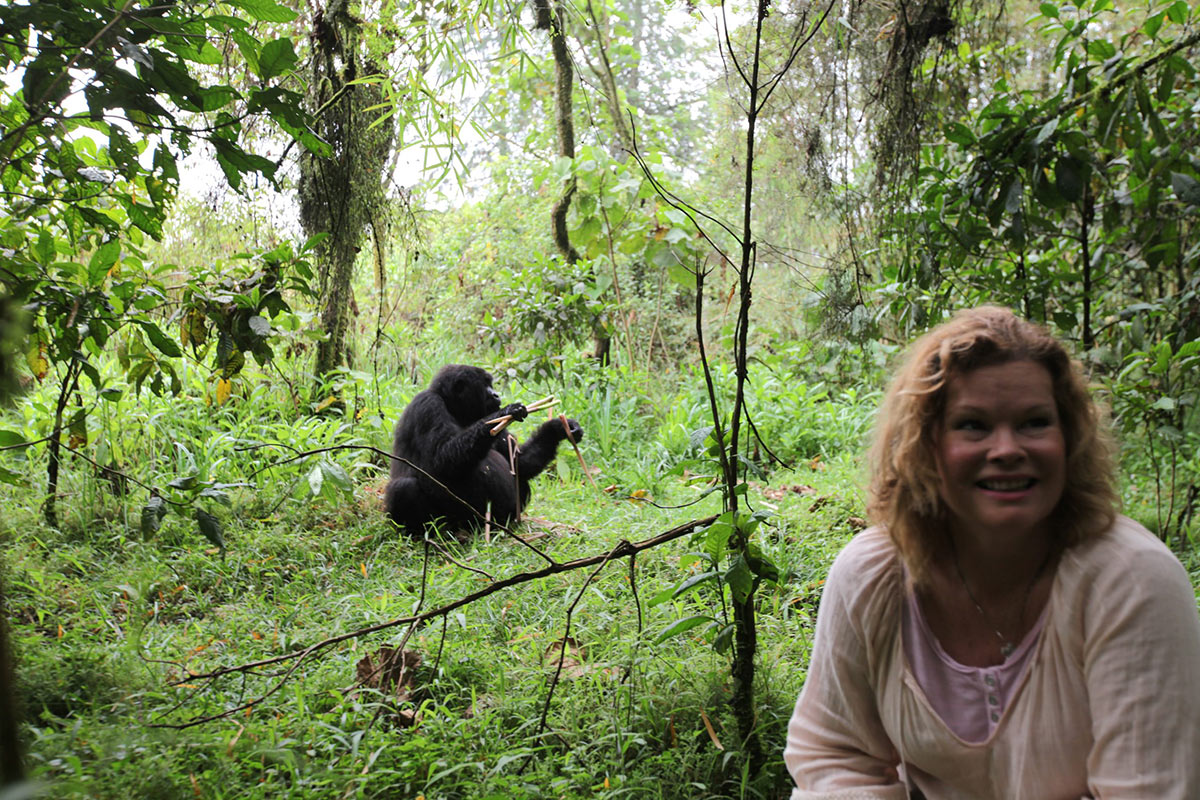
552,18
344,193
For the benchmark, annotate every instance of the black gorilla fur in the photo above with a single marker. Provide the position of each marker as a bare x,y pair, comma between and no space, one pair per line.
446,431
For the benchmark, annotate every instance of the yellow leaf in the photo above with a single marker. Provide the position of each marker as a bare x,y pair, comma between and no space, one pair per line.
363,567
326,403
224,387
60,631
36,358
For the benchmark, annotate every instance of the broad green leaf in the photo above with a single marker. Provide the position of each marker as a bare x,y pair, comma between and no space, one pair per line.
1013,196
259,325
1068,176
1187,188
276,58
662,597
336,477
1049,10
102,260
724,639
960,134
1065,321
186,483
1046,131
11,478
165,344
740,579
1165,404
233,364
681,275
1178,12
1166,84
681,626
692,581
11,438
152,515
218,495
214,98
210,526
265,10
146,219
1152,24
316,480
44,248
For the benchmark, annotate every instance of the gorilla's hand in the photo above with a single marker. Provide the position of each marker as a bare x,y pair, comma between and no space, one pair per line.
575,430
515,410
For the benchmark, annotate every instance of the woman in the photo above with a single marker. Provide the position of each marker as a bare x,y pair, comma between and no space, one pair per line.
1002,633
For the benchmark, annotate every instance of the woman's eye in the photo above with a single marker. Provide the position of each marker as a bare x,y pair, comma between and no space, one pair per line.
1038,422
968,425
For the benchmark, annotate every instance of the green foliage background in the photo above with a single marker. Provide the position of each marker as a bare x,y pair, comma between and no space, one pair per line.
215,504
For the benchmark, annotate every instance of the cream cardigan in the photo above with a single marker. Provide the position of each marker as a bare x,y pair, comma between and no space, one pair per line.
1109,707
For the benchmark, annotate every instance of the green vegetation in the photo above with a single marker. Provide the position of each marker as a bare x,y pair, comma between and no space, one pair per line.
199,397
105,618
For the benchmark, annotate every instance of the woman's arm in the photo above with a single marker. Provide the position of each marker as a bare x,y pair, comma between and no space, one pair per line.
1142,667
836,746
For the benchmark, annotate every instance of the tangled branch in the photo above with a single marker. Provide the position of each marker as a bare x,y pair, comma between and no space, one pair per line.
622,549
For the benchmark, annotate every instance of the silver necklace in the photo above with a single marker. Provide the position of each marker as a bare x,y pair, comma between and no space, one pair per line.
1006,647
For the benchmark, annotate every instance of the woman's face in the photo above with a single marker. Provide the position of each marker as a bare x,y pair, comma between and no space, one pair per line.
1001,453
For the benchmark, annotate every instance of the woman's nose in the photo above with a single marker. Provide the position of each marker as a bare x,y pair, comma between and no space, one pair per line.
1004,445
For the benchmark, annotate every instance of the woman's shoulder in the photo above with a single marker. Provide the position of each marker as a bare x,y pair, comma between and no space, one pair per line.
1126,553
869,552
867,570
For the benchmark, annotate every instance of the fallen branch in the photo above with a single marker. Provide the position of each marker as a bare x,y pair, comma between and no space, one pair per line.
623,548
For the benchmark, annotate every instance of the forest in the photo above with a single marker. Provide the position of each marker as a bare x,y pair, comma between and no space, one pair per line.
238,237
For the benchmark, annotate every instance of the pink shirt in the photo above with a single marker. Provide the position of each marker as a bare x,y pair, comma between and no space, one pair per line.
970,700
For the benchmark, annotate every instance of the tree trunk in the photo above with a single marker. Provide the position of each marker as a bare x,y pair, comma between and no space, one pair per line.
341,195
10,750
551,19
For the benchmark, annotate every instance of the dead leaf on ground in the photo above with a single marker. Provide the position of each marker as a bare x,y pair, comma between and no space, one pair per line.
783,491
572,657
389,671
392,671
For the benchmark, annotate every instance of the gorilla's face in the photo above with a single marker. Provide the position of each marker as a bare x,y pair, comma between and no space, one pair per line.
467,392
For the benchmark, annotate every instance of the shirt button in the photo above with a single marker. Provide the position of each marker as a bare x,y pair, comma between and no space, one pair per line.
993,700
995,716
989,680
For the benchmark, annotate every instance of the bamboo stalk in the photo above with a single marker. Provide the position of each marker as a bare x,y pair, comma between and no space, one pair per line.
567,428
500,423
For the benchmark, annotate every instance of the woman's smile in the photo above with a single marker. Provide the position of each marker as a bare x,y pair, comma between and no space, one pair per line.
1001,453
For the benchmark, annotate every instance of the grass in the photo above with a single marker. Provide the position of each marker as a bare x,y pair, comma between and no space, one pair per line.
109,624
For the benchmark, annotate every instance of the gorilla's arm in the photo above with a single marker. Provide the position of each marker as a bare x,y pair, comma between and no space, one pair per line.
539,450
434,440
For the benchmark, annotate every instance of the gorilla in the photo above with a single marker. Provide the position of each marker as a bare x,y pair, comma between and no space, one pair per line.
446,431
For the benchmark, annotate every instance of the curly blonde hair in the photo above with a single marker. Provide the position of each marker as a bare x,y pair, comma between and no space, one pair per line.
903,494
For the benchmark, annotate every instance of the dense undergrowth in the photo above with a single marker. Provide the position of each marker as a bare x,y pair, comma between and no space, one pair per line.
108,622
